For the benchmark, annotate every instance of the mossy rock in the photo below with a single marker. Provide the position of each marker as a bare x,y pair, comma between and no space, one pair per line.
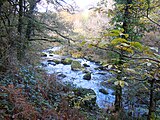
87,76
67,61
75,65
85,97
43,55
56,61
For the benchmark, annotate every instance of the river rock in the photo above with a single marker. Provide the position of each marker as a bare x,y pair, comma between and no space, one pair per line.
67,61
87,96
44,64
61,75
101,68
97,62
87,76
51,55
54,60
51,63
75,65
86,65
102,73
103,91
43,55
50,51
85,71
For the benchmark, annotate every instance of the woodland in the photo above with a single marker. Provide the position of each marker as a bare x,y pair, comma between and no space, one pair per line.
119,40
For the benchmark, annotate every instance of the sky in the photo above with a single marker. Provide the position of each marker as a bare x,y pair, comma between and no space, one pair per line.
82,4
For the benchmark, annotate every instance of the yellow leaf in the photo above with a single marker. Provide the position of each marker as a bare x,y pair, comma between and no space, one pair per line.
116,31
127,49
90,46
121,83
118,40
82,43
126,35
136,45
125,44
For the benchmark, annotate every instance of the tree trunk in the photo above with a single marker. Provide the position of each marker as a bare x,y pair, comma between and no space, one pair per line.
118,92
21,40
151,102
0,7
20,17
118,98
30,17
127,18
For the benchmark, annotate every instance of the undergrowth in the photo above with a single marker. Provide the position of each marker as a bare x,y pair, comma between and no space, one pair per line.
30,94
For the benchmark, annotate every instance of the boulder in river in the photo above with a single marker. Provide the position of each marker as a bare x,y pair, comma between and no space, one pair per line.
86,65
87,76
103,91
61,75
43,55
87,98
75,65
51,55
67,61
44,64
52,63
56,61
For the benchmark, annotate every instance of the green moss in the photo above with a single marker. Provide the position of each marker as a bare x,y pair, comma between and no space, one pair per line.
75,65
67,61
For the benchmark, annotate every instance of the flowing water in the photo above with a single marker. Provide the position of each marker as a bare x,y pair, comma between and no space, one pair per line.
68,76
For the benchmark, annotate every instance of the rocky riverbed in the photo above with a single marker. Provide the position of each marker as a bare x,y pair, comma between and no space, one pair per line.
79,73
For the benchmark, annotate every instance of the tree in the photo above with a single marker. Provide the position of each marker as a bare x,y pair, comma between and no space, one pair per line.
131,16
130,21
18,27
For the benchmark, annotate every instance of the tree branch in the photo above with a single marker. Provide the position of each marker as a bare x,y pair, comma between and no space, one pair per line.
46,39
147,16
126,56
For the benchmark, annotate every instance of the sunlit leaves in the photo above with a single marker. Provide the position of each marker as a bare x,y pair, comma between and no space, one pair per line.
126,35
90,46
82,43
118,40
121,83
136,45
122,43
116,31
124,48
